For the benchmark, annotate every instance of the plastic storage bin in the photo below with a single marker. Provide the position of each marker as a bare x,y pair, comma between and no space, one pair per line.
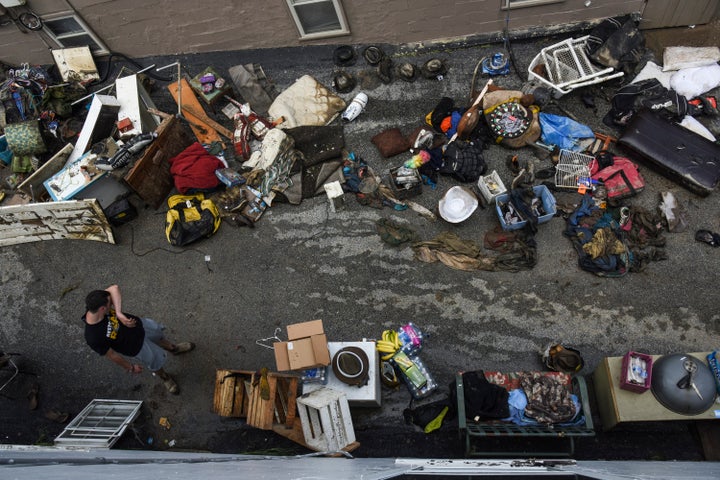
541,192
491,186
625,383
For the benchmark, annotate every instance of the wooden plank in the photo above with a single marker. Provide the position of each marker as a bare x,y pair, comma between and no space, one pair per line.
194,113
33,185
292,402
208,121
230,398
73,219
265,414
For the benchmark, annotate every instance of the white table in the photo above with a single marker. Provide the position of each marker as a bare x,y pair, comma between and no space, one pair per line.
367,395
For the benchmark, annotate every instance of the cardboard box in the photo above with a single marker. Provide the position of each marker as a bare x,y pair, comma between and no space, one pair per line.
307,347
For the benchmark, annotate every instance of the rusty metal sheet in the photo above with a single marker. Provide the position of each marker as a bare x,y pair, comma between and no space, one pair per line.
73,219
150,177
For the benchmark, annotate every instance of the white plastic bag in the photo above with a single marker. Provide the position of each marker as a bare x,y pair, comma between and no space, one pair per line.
691,82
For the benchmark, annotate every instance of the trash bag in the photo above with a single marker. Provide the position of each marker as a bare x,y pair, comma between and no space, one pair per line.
563,131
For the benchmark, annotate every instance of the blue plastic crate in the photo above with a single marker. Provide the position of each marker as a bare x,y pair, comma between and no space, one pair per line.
542,192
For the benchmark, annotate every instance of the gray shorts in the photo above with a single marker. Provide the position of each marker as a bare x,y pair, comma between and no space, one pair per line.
152,355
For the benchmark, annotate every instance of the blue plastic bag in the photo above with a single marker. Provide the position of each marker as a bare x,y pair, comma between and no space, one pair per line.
563,131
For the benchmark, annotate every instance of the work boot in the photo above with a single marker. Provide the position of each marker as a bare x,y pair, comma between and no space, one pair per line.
182,347
168,381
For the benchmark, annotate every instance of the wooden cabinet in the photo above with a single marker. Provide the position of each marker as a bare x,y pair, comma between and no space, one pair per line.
616,405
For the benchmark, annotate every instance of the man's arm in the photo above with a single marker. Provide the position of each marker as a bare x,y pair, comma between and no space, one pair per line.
120,360
116,300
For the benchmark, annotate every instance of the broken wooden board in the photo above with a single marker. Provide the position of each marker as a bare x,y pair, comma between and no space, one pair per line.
200,123
33,185
280,408
295,433
230,398
150,177
70,220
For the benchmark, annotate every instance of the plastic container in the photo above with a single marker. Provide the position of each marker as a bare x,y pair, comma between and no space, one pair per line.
491,186
411,338
541,192
405,182
415,374
625,383
355,108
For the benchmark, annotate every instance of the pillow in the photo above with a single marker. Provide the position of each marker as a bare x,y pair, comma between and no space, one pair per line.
391,142
306,102
24,138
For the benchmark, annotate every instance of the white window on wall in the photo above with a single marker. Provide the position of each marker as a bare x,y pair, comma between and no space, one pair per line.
318,18
510,4
68,30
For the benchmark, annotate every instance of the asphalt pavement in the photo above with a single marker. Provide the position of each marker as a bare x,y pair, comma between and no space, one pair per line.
306,262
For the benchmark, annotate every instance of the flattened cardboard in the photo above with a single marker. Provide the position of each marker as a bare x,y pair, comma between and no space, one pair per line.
305,329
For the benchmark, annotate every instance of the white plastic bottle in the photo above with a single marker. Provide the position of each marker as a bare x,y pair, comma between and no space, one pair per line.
357,105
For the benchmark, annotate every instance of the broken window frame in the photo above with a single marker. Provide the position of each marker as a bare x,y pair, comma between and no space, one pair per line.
343,29
99,48
513,4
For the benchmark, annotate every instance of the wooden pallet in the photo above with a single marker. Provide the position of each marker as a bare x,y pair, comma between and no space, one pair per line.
280,408
231,398
237,394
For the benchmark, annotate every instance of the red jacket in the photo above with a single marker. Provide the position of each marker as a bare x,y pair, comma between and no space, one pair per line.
194,167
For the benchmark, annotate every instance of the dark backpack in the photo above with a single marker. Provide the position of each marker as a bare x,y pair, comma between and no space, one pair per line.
464,160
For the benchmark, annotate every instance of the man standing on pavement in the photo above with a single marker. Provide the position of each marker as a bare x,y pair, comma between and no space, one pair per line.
112,333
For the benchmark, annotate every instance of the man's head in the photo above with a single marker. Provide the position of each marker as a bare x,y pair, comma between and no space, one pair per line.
96,299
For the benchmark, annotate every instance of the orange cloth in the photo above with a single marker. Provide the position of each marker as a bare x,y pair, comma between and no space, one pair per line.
446,124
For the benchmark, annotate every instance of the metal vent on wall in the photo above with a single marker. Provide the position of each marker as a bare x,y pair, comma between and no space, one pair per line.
100,424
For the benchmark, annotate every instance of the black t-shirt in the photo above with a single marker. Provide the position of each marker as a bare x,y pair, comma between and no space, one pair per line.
112,333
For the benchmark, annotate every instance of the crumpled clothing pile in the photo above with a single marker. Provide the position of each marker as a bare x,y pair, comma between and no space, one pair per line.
549,401
466,255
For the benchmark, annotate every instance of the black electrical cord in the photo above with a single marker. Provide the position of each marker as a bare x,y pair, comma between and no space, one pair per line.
174,252
506,40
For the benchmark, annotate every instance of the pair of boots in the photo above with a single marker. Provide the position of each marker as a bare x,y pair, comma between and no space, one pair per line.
168,381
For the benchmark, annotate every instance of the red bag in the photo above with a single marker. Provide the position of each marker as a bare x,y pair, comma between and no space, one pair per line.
622,179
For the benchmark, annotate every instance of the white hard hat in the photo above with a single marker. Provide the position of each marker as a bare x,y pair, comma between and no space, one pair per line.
457,204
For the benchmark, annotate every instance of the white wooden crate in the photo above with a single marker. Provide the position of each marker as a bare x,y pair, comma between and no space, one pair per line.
326,421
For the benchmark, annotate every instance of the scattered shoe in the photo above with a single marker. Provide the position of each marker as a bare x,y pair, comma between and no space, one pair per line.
123,156
706,236
545,173
424,140
182,347
513,164
170,385
57,416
